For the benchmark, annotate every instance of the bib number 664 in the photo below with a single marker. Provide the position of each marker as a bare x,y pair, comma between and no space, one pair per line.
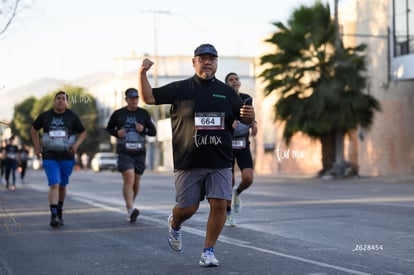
209,121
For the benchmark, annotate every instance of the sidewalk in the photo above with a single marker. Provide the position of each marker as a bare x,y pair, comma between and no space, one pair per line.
392,178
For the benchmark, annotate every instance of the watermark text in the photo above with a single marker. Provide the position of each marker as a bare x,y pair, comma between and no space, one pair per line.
287,154
74,99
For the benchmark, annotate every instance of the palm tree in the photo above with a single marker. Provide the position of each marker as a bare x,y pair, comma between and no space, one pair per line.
319,85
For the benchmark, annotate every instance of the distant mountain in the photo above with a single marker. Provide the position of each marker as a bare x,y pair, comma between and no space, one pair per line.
92,80
37,88
41,87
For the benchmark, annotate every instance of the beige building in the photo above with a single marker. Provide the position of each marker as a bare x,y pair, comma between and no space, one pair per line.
388,147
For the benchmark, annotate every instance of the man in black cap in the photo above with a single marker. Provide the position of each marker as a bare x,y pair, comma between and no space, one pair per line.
130,125
202,112
205,49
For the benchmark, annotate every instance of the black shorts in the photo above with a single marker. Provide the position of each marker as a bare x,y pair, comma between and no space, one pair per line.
243,157
126,162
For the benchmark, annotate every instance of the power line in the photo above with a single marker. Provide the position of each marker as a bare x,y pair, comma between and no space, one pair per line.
383,36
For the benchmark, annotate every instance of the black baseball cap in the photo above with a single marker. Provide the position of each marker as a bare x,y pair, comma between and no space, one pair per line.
131,93
205,49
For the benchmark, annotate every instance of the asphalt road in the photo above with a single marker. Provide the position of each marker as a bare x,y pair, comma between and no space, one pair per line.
286,226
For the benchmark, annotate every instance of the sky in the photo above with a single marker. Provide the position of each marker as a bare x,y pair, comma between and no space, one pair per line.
68,39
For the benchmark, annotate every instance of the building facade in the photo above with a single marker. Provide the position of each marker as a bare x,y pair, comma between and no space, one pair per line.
388,149
387,27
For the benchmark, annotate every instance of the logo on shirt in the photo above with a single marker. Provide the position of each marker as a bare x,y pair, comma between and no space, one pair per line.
130,120
200,140
57,121
219,96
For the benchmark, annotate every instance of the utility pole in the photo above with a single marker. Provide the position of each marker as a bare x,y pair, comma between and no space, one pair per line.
158,110
337,38
339,133
155,33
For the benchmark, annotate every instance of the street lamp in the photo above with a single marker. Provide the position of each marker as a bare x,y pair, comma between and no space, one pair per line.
155,33
158,111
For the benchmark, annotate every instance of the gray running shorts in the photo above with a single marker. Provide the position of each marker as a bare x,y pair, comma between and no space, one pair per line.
126,162
192,186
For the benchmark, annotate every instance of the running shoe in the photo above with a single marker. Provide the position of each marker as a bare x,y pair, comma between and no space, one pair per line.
61,221
208,259
133,216
230,221
236,204
54,222
174,236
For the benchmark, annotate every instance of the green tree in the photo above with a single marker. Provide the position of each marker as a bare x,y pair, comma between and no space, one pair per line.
84,105
22,121
319,84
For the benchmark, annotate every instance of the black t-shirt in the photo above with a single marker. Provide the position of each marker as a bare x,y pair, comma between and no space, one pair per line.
24,154
242,131
59,133
202,112
134,142
11,152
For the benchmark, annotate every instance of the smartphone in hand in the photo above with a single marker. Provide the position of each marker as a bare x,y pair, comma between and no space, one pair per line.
248,101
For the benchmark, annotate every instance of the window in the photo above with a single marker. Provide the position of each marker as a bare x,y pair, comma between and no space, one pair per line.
403,27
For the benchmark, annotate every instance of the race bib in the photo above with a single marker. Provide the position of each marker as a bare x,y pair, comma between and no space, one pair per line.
57,140
57,134
238,143
11,155
134,146
209,120
134,141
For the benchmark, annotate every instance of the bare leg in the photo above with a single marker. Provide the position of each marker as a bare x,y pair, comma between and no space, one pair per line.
247,179
182,214
62,193
128,189
216,220
53,194
135,188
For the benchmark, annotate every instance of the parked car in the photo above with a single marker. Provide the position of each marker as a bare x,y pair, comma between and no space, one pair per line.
104,161
35,163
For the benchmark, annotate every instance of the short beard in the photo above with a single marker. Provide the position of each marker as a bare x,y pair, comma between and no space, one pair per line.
206,76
